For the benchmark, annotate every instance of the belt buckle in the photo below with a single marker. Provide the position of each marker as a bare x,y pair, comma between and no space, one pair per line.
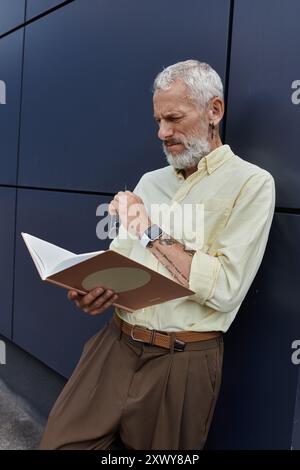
179,345
132,335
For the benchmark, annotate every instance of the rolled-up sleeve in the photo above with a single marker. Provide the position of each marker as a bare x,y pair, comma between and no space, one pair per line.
221,281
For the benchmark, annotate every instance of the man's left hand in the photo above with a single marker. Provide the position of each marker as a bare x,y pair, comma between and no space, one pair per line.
132,212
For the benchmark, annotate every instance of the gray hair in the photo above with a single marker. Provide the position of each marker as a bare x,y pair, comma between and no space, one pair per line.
202,80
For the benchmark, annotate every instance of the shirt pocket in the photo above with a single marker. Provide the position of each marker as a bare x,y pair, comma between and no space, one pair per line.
199,234
218,204
216,214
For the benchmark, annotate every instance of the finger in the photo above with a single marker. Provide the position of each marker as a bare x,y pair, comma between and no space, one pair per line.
130,193
98,307
89,298
112,209
100,300
72,294
105,306
108,295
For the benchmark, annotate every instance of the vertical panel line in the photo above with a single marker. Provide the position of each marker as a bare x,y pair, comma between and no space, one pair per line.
227,69
17,179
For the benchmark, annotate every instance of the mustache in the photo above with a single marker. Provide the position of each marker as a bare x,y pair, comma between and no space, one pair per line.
172,142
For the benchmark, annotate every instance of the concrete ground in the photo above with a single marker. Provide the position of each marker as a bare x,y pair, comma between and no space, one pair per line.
20,427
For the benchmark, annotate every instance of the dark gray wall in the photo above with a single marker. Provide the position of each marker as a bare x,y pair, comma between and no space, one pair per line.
88,71
37,7
257,404
258,407
12,14
7,235
78,125
10,73
30,379
46,323
262,121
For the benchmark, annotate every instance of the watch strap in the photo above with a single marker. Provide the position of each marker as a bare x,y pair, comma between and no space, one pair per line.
145,239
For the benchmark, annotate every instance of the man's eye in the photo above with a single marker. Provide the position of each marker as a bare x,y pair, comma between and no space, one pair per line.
170,119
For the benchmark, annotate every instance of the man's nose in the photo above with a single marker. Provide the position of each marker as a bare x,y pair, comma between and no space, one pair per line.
165,130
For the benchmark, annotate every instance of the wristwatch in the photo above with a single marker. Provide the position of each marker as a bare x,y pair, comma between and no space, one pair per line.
150,234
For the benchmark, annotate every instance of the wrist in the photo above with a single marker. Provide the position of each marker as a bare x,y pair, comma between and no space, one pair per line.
142,227
153,232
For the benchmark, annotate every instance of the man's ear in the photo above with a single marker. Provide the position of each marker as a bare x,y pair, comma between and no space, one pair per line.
215,110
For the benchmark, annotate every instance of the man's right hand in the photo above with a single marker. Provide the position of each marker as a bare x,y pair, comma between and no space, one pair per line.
95,302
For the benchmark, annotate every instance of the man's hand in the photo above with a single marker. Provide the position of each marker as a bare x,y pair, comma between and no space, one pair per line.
96,301
132,212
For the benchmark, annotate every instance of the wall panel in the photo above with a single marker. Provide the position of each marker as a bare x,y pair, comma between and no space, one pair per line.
262,121
46,323
12,14
10,74
7,213
87,118
36,7
257,399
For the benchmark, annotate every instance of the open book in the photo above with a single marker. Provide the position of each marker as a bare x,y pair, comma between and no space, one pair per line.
136,285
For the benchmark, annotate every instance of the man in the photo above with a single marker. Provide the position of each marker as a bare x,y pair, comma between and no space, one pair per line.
152,376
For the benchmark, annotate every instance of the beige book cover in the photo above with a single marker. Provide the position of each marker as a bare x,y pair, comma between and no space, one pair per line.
137,285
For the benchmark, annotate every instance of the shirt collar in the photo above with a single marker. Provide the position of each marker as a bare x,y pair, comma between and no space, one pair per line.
217,157
179,173
212,161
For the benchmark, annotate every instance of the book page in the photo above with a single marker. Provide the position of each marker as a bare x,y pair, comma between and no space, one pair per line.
75,259
45,255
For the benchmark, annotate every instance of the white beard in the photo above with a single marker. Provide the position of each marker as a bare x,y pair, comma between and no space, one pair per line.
196,149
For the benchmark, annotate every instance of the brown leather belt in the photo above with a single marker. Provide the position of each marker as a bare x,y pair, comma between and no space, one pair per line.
164,339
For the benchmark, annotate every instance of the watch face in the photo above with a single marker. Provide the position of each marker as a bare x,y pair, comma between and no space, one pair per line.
153,232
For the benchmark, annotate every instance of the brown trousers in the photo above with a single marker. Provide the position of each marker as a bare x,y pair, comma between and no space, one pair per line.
151,397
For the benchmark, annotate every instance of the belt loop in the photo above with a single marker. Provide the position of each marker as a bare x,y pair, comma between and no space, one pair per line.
172,340
152,339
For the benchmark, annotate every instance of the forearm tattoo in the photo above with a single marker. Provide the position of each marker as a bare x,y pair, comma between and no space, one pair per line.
165,260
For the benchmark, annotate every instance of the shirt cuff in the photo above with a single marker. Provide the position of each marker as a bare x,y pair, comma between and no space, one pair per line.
203,276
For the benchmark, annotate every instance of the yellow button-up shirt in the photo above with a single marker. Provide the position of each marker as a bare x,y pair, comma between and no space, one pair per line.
238,198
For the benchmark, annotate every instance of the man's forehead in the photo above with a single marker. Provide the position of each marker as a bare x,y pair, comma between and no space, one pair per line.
177,89
176,96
